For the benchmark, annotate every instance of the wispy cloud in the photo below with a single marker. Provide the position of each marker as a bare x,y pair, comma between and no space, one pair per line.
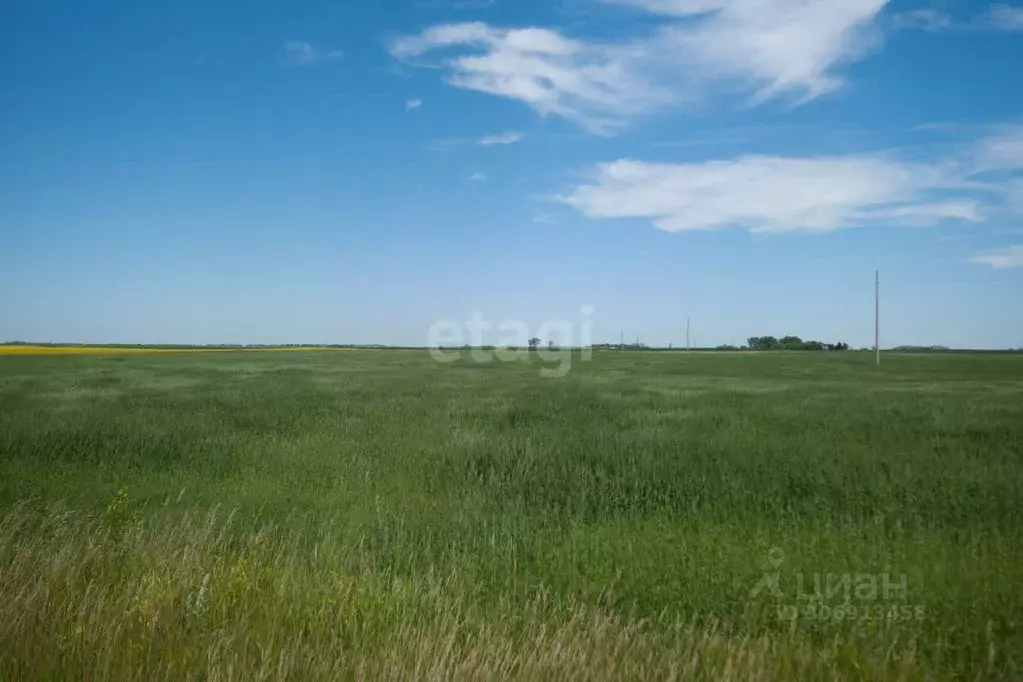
300,53
771,47
927,19
553,74
446,143
478,176
1005,17
704,141
1013,189
783,194
766,48
1001,150
997,17
413,104
510,137
457,4
937,127
1001,259
767,193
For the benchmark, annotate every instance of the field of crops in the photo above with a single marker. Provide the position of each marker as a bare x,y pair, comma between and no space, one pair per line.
381,514
77,349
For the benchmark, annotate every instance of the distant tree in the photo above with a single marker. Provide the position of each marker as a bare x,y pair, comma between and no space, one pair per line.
534,343
792,343
550,345
762,343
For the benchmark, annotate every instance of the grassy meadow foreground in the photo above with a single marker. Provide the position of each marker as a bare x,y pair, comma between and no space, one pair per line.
323,515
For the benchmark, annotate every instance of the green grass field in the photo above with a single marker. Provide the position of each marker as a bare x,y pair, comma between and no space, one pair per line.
379,514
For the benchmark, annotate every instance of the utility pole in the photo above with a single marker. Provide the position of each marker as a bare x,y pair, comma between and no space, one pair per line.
621,346
877,316
688,348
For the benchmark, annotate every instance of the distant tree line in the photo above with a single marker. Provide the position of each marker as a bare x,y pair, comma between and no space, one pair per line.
620,346
791,343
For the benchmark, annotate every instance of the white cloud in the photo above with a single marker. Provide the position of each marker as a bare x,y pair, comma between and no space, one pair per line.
1001,259
300,53
591,84
478,177
998,17
510,137
772,46
1001,150
413,104
923,19
782,194
1014,194
1005,17
763,47
768,193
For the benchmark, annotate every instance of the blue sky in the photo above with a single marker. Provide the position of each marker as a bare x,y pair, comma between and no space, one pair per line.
342,172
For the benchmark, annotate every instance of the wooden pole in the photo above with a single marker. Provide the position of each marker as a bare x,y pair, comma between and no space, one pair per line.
877,317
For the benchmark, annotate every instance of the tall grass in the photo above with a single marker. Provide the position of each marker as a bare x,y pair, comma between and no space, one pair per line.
101,598
380,515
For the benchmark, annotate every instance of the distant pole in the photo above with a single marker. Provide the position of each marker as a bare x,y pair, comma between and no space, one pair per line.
621,346
877,316
688,348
